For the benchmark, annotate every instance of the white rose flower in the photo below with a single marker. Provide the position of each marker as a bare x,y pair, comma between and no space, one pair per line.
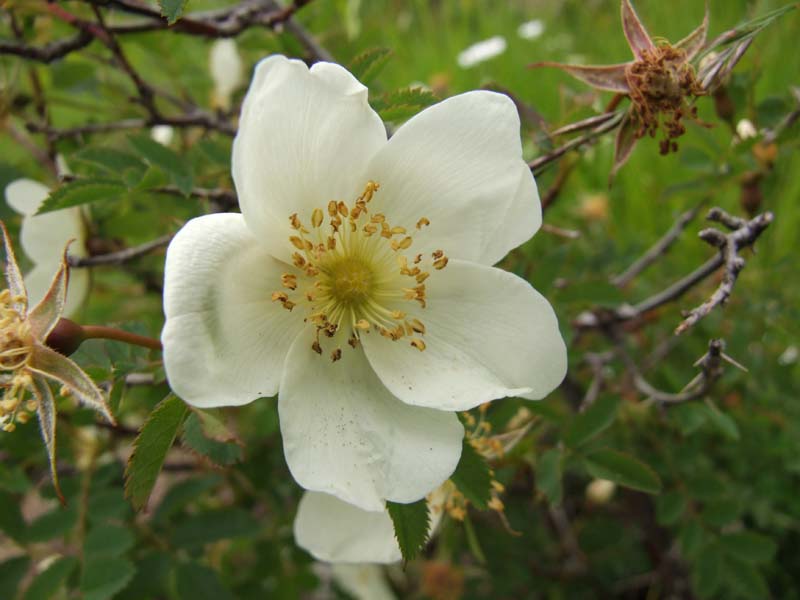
530,30
333,289
43,238
162,134
226,71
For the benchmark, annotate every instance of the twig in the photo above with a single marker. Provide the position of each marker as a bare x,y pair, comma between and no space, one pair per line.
537,165
744,233
101,332
710,370
121,256
657,250
49,52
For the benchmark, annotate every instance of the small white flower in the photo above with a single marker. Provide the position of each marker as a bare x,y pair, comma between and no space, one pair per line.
600,491
530,30
162,134
226,69
482,51
746,130
789,356
357,282
43,238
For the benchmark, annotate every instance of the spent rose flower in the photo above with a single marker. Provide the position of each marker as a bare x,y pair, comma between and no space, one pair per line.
659,80
28,367
43,238
357,282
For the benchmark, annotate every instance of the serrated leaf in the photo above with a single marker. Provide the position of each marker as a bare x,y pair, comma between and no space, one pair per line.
691,538
107,541
49,581
723,422
181,494
104,577
411,523
472,476
53,524
589,424
670,508
743,580
548,475
172,10
749,546
112,162
367,65
11,521
403,103
624,470
150,449
209,436
707,571
199,583
11,573
165,159
82,191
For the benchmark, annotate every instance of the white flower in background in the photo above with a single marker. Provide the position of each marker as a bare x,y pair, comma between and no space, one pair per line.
600,491
226,71
745,129
530,30
162,134
43,238
482,51
337,532
357,283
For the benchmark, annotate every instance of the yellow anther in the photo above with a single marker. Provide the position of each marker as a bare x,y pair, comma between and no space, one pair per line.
342,208
333,208
9,427
398,231
317,217
298,261
295,221
398,314
403,244
440,263
279,297
353,341
369,229
437,254
336,354
289,305
417,326
496,504
316,347
497,486
289,281
297,242
422,222
418,344
331,243
377,218
362,324
418,259
422,276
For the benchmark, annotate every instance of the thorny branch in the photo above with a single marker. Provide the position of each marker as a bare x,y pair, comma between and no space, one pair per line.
744,234
121,256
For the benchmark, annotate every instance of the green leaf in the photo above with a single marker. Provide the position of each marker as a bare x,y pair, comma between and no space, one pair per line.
54,524
743,580
82,191
749,546
11,573
411,524
723,422
472,476
207,435
548,475
181,494
165,159
403,103
151,447
48,582
172,10
104,577
589,424
199,583
691,538
707,571
112,162
624,470
214,525
367,65
107,540
11,521
670,508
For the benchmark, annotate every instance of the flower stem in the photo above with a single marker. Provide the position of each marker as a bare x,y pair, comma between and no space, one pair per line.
112,333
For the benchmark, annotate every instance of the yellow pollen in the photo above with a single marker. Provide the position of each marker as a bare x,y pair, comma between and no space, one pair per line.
349,279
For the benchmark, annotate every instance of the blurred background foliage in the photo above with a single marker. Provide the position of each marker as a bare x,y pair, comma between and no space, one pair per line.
725,519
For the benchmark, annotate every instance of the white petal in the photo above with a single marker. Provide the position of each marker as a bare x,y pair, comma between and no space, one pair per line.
459,164
224,339
363,581
305,137
335,531
489,335
226,70
482,51
162,134
346,435
43,237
